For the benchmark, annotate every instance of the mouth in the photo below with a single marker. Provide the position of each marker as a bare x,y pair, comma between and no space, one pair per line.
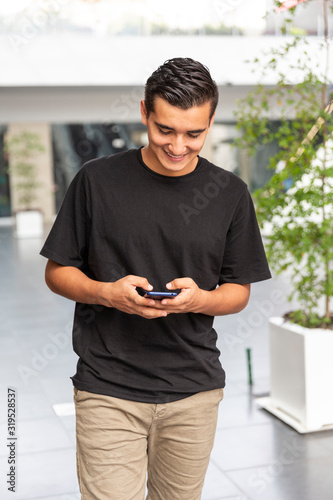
175,157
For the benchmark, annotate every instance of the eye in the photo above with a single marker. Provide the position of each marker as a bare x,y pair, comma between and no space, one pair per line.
193,136
164,132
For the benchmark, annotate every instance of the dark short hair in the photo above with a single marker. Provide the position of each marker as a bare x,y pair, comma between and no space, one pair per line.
183,83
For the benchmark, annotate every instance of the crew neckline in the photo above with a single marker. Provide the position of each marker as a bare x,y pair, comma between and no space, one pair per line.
173,177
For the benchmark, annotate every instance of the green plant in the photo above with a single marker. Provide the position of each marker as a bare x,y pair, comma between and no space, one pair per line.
21,150
295,207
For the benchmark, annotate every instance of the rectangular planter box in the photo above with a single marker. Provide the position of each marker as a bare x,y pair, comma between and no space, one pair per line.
301,376
29,224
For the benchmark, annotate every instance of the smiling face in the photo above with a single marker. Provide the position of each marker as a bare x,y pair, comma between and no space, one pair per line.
175,136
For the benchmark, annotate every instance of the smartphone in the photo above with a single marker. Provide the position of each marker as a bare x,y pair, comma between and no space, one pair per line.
161,295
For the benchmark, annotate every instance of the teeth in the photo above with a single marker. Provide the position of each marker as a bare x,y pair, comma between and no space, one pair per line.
173,156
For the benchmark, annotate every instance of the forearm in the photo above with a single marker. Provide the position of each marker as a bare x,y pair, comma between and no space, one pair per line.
228,298
72,283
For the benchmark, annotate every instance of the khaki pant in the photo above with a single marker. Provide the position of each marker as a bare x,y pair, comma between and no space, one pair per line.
118,441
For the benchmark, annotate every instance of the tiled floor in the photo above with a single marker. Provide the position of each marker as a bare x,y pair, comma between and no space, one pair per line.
255,457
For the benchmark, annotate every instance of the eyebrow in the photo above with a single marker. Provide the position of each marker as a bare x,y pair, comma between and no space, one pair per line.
198,131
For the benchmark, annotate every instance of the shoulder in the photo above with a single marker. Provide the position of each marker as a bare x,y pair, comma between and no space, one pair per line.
223,178
110,163
104,173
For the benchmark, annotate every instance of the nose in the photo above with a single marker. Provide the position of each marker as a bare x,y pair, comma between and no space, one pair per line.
177,145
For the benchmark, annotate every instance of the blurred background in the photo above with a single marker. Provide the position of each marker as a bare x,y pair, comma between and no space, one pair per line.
73,72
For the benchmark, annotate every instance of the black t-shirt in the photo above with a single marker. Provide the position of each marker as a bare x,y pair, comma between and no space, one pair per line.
120,218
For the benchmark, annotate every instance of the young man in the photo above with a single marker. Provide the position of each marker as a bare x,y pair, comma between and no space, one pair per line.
149,381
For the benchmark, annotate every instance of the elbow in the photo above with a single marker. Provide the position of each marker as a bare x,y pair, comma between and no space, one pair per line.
49,283
242,306
244,299
49,275
247,293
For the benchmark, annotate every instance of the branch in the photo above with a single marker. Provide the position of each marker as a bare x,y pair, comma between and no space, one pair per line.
312,133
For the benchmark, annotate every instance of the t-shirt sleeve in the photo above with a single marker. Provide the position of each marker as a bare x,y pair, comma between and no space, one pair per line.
67,242
244,259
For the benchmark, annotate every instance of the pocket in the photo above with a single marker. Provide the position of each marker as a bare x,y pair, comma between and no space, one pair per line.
215,395
76,395
220,394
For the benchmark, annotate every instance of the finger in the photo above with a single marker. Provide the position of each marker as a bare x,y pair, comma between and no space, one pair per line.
159,304
179,283
139,281
146,302
141,301
172,302
151,313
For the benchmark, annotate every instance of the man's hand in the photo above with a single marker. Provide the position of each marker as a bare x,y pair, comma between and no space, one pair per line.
229,298
73,284
122,295
190,298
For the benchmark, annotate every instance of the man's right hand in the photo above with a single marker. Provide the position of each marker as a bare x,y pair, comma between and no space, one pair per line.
73,284
122,295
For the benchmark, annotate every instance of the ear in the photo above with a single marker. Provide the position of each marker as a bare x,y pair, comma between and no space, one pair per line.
143,110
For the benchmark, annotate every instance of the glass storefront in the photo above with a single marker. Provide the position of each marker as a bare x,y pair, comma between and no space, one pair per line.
75,144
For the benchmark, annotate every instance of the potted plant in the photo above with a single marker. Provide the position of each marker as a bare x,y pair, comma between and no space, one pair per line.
295,210
22,150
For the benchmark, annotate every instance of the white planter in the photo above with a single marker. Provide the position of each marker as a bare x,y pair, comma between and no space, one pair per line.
301,376
29,224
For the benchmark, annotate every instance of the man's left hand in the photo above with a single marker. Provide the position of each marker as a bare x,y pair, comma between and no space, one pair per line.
190,299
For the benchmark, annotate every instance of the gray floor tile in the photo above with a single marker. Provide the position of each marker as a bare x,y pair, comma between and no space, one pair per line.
307,480
59,390
32,403
48,361
238,497
40,475
240,410
256,445
38,435
68,496
68,424
217,485
17,372
325,439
